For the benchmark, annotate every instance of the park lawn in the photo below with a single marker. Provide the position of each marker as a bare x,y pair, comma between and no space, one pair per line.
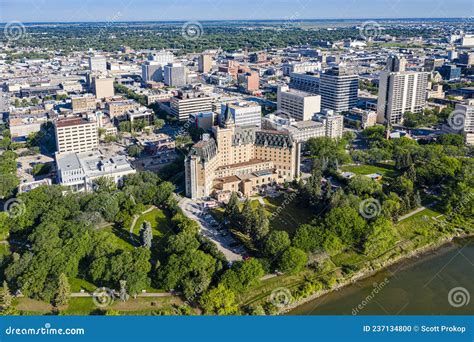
264,289
78,284
348,257
121,238
289,218
385,169
158,220
85,306
419,228
140,305
288,214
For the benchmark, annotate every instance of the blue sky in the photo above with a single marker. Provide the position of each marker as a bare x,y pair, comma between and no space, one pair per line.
123,10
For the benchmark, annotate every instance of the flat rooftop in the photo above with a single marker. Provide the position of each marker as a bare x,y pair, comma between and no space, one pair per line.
93,163
71,122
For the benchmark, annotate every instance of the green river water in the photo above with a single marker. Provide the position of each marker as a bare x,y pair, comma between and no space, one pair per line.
417,286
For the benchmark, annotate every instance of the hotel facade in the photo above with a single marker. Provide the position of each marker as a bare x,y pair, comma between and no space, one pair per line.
240,159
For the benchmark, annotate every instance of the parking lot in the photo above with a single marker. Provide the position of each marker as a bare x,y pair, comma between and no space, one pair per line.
212,229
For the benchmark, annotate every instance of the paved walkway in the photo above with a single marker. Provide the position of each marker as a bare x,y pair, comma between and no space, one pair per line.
136,217
88,294
414,212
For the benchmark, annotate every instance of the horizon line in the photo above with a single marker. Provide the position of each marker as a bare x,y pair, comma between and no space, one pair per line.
226,20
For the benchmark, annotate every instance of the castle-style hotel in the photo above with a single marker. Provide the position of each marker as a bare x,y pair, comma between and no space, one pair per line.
241,159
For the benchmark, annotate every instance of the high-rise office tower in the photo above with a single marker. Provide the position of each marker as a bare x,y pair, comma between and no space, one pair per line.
152,71
161,57
400,91
244,113
97,63
174,75
338,88
205,63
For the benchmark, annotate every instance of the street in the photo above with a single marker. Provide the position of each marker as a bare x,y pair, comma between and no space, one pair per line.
193,210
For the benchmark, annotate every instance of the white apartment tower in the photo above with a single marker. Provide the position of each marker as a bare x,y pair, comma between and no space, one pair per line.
400,91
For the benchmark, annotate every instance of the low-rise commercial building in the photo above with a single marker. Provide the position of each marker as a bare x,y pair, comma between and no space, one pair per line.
78,171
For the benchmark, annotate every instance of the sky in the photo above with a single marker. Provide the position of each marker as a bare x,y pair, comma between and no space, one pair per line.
158,10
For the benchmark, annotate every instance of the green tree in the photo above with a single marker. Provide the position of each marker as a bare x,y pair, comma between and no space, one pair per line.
219,301
276,242
134,151
261,225
7,298
146,235
64,291
364,186
347,224
292,260
232,211
381,236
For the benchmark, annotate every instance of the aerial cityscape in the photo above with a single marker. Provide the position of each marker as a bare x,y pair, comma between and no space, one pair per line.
250,167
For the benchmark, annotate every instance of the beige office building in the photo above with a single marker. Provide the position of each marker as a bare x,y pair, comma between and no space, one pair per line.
190,102
205,63
83,103
240,159
120,108
297,104
103,87
76,135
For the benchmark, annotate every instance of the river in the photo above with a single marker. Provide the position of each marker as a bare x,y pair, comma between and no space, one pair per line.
416,286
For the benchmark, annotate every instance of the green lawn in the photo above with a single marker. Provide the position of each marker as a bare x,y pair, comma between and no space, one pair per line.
288,214
386,170
419,224
80,284
121,238
158,220
160,226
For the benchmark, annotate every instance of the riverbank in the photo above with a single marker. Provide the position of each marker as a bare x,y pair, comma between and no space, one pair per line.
366,273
